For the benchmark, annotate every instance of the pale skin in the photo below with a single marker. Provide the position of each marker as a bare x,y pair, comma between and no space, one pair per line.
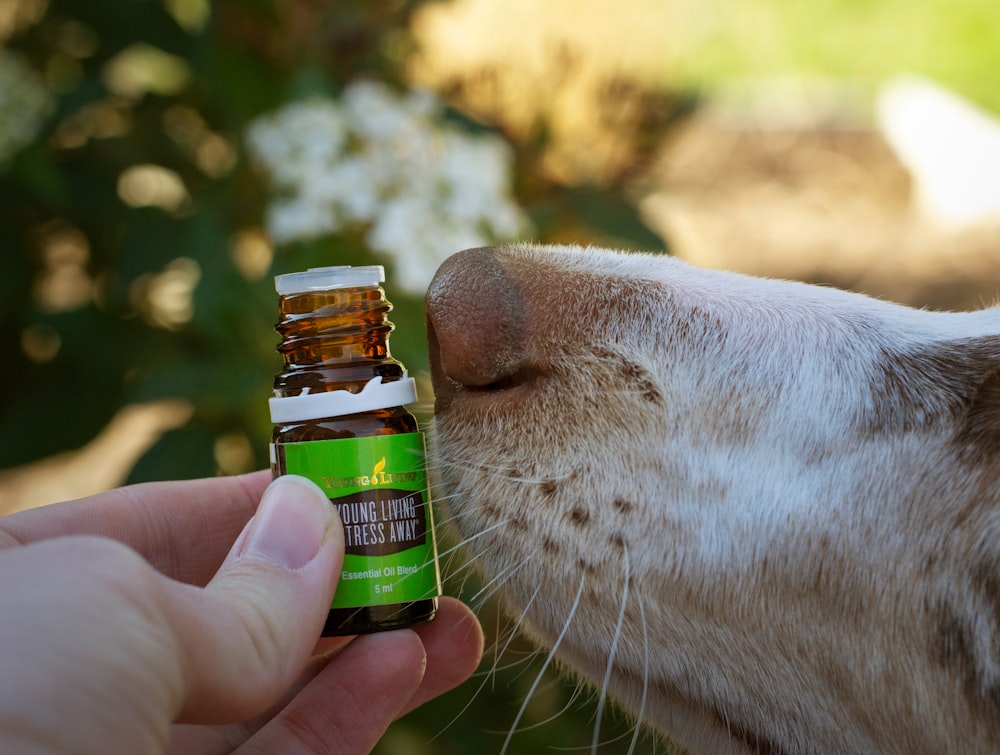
161,618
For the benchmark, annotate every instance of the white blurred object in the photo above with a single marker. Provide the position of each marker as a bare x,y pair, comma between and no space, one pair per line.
950,146
25,103
390,164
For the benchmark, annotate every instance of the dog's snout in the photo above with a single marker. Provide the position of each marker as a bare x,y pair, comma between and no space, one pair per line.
474,323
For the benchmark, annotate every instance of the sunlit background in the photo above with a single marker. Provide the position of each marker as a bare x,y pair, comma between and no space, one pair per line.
161,160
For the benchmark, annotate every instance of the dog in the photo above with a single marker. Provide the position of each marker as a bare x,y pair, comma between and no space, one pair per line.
763,516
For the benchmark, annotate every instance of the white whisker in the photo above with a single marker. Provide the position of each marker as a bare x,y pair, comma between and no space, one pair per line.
613,650
491,673
548,661
485,591
645,674
472,538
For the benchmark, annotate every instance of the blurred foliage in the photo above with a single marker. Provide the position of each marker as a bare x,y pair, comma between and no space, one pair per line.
134,265
172,86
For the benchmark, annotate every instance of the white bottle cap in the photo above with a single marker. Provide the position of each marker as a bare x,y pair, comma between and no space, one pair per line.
375,395
324,278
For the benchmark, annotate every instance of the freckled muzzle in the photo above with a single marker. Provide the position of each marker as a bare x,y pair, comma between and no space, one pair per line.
475,325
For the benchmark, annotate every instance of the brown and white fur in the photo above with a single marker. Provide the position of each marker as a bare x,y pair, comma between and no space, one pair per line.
764,516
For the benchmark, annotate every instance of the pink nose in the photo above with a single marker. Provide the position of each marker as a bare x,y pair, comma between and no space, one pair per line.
474,323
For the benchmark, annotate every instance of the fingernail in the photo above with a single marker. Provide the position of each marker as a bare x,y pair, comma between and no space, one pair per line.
290,524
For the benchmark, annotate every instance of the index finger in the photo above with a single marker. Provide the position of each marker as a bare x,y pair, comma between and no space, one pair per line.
183,528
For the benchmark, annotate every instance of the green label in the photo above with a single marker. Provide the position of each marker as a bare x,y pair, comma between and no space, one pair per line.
379,486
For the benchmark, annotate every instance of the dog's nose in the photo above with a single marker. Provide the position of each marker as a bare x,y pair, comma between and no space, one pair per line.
474,323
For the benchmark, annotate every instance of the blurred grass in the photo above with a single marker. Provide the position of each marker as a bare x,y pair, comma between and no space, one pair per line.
956,42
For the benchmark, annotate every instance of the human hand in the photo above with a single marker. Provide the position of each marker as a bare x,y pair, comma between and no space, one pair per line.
157,604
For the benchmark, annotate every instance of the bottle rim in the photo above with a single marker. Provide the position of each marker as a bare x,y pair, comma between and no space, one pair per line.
326,278
375,395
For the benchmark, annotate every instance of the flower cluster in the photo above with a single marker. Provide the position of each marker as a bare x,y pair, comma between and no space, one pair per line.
385,162
25,102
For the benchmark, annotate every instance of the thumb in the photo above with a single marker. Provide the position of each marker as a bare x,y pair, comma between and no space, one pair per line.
249,633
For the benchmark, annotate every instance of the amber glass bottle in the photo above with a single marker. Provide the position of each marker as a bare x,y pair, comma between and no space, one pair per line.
339,419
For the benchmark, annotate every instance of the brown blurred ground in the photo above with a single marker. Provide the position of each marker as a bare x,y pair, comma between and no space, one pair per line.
824,206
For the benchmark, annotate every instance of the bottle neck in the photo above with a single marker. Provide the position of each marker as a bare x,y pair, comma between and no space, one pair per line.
334,340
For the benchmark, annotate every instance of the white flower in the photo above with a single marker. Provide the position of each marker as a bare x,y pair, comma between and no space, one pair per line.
292,219
268,138
25,102
385,162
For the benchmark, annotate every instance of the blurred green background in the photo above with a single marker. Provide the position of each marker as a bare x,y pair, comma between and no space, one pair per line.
136,296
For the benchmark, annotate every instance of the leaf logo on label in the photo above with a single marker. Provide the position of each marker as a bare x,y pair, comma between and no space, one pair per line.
379,466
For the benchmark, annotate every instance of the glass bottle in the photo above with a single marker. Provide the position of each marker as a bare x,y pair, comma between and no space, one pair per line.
339,419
